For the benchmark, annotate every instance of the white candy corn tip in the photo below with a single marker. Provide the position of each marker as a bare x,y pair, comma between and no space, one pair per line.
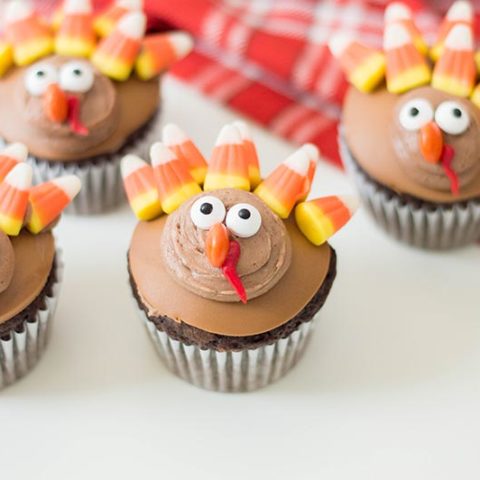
460,37
397,11
70,184
460,11
299,162
20,177
72,7
17,10
395,36
173,135
130,4
352,202
229,135
312,151
181,42
131,163
243,129
133,25
339,43
160,154
17,151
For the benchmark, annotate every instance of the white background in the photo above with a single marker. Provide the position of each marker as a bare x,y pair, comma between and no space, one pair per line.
389,388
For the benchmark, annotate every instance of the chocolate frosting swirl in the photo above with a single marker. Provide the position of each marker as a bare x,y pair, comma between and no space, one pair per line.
264,258
7,262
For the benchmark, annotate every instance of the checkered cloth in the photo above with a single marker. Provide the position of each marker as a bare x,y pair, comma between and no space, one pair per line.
268,59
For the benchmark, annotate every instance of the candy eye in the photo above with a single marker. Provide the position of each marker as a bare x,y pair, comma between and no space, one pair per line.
244,220
452,118
39,77
207,211
415,114
76,77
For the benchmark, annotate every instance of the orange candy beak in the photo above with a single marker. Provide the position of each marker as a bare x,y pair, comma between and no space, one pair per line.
217,244
55,104
431,142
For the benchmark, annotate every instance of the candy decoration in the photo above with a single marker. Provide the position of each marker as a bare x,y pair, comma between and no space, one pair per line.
116,54
217,244
6,57
364,67
250,153
228,166
141,188
455,72
174,182
477,61
287,184
460,13
14,198
55,104
161,51
319,219
314,155
229,270
105,23
406,67
49,199
30,38
76,36
475,98
398,12
10,156
184,149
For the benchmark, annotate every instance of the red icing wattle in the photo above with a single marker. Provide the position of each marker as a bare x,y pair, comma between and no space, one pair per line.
74,116
229,270
446,161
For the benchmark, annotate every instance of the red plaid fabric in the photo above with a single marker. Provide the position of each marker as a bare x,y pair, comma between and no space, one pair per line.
268,59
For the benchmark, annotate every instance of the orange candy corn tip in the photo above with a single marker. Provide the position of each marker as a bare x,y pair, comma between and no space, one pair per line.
14,198
140,187
314,155
455,72
105,23
228,166
406,67
319,219
363,66
183,147
174,182
250,152
10,156
49,199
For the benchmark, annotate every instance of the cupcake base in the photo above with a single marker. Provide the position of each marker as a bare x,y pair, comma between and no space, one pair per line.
412,220
23,338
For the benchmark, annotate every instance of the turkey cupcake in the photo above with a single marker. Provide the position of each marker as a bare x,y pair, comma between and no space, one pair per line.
410,131
84,92
30,266
228,271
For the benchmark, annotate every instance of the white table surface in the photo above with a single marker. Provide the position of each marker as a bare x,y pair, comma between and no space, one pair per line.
389,388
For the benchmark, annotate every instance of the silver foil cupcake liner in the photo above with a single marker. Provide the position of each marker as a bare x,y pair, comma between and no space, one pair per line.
424,226
234,371
23,349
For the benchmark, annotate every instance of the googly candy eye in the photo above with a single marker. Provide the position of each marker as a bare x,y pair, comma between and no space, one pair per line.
244,220
415,114
76,76
452,118
39,77
207,211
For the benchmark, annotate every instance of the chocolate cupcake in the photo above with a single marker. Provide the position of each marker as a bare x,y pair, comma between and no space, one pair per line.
412,143
30,266
227,283
74,101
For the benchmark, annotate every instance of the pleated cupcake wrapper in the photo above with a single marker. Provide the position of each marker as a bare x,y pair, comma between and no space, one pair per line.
22,351
240,371
102,186
441,227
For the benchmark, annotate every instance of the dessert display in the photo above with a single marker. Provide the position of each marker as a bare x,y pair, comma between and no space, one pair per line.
410,128
228,270
30,266
83,91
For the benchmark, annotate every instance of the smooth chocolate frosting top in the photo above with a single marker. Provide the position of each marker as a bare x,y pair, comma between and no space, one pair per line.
162,295
264,257
34,255
112,111
387,152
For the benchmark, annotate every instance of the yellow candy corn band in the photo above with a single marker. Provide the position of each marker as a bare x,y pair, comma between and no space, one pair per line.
9,225
254,175
451,85
147,205
477,61
74,47
112,67
215,181
313,223
411,78
420,45
199,174
103,26
35,224
436,51
272,201
6,57
173,201
29,52
475,98
145,66
368,75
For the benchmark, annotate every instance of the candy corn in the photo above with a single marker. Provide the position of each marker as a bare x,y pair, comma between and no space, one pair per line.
406,67
228,166
184,149
314,155
76,36
141,189
398,12
319,219
105,23
116,54
460,13
29,37
161,51
48,200
287,184
14,198
174,182
455,72
6,57
364,67
250,152
10,156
